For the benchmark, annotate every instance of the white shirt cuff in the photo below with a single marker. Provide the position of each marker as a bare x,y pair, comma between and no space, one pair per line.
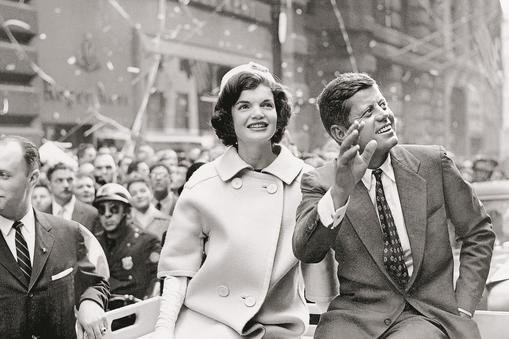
465,312
329,217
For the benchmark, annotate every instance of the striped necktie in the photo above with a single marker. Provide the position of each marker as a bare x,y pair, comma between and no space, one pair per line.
22,252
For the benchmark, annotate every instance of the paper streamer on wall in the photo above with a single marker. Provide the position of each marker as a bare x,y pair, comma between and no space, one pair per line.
5,106
19,49
120,10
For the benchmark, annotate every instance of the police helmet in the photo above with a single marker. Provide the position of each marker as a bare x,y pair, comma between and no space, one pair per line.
112,192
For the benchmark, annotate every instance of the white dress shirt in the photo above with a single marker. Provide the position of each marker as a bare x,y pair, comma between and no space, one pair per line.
64,211
28,231
331,218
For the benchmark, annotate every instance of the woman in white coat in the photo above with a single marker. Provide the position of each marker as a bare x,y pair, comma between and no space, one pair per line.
227,261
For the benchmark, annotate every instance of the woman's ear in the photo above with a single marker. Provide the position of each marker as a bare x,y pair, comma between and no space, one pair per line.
338,133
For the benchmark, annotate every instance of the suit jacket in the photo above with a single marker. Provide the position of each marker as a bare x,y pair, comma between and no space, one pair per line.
431,190
62,277
86,215
83,214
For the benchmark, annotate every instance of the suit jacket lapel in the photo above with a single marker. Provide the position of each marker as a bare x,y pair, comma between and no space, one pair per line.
77,212
43,244
412,196
9,262
362,215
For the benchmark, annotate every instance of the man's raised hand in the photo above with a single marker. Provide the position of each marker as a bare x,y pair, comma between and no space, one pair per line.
350,165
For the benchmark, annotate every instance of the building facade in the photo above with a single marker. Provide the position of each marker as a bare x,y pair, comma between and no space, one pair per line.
438,63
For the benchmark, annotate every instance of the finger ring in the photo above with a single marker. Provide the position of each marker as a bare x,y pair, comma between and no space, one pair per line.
103,330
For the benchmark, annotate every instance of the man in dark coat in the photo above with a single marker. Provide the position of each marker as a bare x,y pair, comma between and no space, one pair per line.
61,179
45,271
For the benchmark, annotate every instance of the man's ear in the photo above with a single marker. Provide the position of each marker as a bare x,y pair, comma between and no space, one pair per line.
34,177
338,133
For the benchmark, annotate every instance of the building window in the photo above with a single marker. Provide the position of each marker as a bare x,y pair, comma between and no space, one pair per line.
183,96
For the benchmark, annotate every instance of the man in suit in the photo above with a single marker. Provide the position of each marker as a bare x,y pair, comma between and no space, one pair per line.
44,267
383,209
61,179
160,179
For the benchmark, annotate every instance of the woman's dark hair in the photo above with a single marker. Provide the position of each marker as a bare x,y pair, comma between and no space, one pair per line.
222,120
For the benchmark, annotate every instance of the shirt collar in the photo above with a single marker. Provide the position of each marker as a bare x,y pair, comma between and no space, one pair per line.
286,166
68,207
28,221
386,168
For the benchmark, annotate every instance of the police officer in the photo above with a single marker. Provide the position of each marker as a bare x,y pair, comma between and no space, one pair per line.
132,254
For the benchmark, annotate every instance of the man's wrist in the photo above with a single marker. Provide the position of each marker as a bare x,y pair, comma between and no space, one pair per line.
339,196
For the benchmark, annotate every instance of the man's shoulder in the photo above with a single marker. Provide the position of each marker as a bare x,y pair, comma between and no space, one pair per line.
56,224
89,209
420,151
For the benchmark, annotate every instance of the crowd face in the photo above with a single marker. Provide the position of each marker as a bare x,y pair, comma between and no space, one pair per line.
15,183
145,153
61,185
111,214
124,164
88,155
105,168
41,198
143,169
141,194
160,179
170,159
254,116
178,178
370,106
84,189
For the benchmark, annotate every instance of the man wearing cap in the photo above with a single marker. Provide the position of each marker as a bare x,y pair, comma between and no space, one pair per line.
132,254
46,270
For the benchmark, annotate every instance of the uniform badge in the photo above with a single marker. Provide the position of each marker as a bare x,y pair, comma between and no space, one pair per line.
127,263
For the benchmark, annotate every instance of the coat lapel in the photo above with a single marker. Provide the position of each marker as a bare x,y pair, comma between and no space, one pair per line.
8,261
364,220
412,196
43,244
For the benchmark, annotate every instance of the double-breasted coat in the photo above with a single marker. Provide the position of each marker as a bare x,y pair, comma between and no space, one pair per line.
231,234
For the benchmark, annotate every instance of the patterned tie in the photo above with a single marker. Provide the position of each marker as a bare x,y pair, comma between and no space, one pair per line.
22,252
393,252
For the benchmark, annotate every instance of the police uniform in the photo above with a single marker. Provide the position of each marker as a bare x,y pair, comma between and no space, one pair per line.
132,259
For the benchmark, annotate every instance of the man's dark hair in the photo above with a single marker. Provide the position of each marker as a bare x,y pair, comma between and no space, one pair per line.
222,119
56,167
333,101
30,151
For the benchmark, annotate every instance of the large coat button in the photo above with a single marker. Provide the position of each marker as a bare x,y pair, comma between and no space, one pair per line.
223,291
272,188
237,183
387,322
249,301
